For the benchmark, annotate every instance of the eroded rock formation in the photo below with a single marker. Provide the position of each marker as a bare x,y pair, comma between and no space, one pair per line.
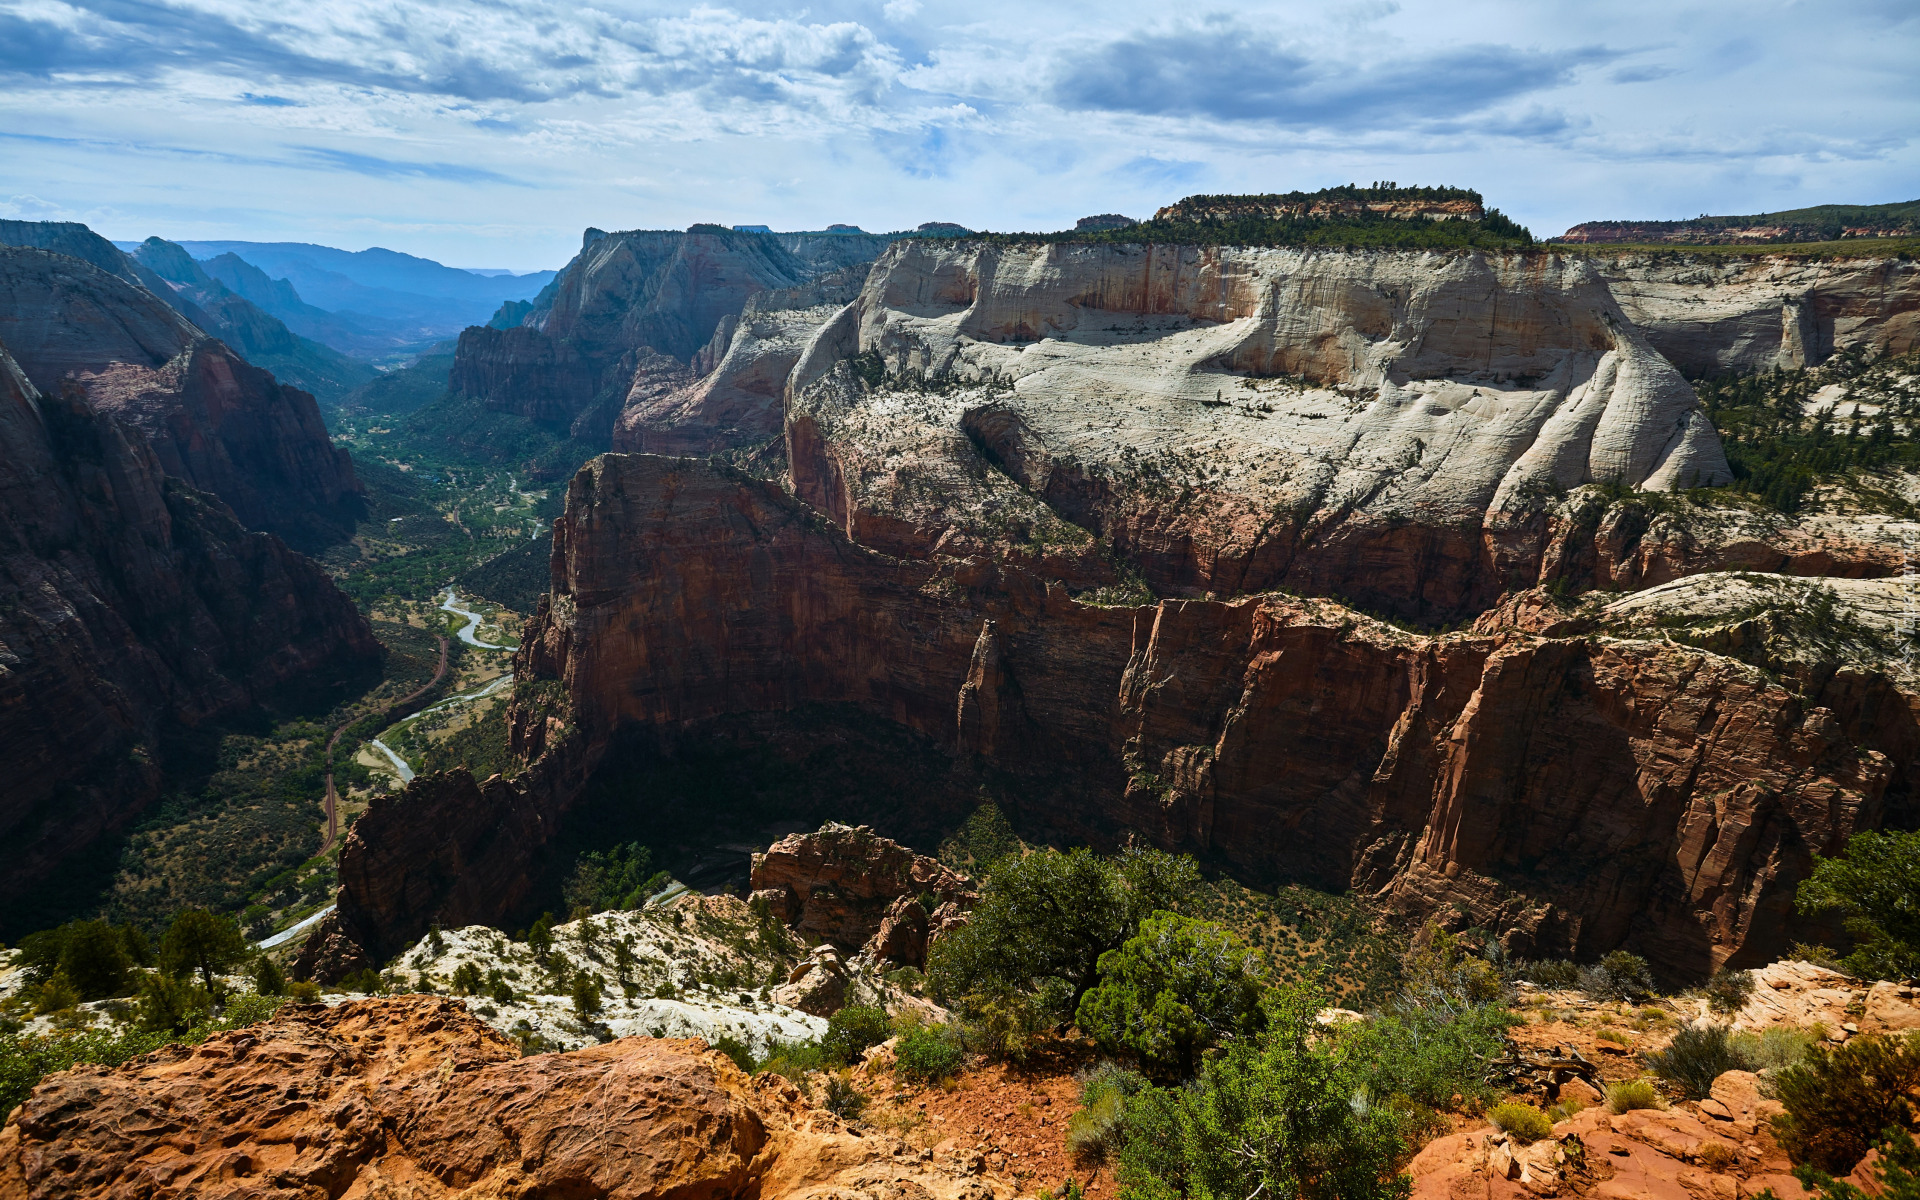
414,1097
213,420
841,884
626,293
1579,793
128,602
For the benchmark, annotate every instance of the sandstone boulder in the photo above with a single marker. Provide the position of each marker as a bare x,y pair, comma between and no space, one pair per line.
413,1097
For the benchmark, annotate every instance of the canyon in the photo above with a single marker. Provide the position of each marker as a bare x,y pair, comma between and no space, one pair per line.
1105,522
131,604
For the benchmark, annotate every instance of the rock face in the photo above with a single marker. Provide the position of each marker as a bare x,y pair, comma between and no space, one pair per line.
1712,314
842,883
737,401
1580,793
1232,420
128,602
657,290
414,1097
213,420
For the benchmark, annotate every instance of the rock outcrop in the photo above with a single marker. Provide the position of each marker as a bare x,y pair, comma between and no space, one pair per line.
1579,793
1711,315
415,1097
129,603
213,420
663,291
841,884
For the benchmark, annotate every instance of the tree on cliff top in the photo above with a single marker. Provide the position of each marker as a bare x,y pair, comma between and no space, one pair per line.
1175,990
202,941
1044,919
1875,886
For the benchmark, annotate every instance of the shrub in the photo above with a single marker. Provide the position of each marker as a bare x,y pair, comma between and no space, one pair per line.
303,991
1283,1114
1051,915
55,995
1839,1101
366,981
1526,1123
1431,1053
852,1030
1554,973
267,977
1872,886
169,1005
1716,1156
91,956
928,1054
1618,976
1175,990
842,1099
740,1052
1099,1129
499,990
1442,964
1771,1049
1629,1094
1819,956
1897,1174
1727,991
1003,1026
1697,1055
793,1060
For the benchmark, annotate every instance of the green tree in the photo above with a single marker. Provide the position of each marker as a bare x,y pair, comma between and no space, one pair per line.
92,955
1044,919
622,877
1898,1173
586,994
1839,1102
852,1030
1176,989
1875,887
170,1005
268,980
1286,1114
202,941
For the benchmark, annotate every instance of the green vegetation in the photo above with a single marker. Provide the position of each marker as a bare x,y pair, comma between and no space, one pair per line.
1779,451
1044,920
1287,1114
26,1058
853,1030
985,839
1335,940
1841,1101
620,878
1898,1173
1629,1094
1873,886
1174,990
1697,1055
1099,1129
1246,221
1525,1122
198,940
928,1053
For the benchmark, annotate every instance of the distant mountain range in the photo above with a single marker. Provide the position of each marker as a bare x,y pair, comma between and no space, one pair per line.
379,305
1821,223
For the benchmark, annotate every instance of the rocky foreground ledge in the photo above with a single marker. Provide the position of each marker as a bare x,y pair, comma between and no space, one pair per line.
412,1097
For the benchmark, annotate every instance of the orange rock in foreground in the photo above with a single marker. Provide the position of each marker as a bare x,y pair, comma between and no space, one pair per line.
412,1097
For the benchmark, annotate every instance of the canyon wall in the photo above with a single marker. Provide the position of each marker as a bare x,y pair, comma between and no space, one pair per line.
1577,793
129,603
213,419
627,294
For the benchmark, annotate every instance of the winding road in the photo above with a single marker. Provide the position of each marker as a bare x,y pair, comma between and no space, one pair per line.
333,797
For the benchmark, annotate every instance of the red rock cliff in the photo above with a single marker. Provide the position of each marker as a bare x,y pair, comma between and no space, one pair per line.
213,420
128,601
1580,793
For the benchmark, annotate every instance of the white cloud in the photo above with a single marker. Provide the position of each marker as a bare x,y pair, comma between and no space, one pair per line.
467,126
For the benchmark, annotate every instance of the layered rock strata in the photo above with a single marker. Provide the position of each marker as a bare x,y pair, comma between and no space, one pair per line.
1580,793
129,602
625,294
844,883
213,420
414,1097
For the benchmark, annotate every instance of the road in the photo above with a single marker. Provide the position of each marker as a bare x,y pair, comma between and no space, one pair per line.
292,931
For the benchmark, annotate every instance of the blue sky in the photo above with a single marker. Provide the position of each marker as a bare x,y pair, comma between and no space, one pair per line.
489,134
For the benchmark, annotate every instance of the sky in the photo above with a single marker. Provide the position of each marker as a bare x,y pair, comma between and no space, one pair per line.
490,134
